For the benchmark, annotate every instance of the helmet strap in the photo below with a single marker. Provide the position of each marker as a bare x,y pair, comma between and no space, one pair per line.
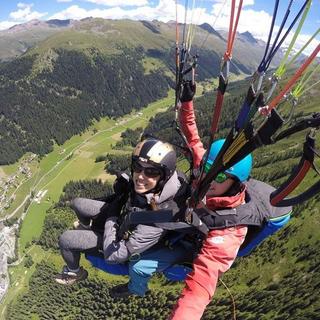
236,187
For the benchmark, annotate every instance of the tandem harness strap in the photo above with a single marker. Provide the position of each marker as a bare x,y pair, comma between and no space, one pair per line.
166,220
278,197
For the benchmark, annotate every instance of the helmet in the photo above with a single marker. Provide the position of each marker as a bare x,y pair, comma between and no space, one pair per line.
241,170
159,154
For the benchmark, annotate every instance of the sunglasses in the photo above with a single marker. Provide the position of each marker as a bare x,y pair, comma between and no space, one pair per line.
149,172
221,177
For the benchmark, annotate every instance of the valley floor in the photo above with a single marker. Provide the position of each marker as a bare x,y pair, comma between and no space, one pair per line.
74,160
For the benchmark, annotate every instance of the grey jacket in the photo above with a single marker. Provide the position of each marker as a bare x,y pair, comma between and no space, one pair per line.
254,212
142,237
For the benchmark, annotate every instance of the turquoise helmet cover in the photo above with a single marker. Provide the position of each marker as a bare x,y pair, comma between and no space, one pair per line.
241,170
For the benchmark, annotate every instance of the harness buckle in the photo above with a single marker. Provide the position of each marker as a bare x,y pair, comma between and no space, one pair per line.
188,215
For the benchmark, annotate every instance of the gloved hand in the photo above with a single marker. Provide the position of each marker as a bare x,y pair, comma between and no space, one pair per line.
122,184
192,218
123,231
188,91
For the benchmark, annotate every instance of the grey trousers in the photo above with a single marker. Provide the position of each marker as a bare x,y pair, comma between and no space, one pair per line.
86,209
73,242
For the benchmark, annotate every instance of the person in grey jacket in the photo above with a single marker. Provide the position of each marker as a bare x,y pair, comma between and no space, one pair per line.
155,185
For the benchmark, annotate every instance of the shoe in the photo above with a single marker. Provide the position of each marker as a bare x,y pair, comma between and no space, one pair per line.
77,225
67,277
121,291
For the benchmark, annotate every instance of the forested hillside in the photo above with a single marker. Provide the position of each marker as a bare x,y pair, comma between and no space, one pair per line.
280,280
53,106
96,68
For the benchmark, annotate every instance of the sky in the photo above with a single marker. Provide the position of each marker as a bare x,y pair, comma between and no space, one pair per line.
255,16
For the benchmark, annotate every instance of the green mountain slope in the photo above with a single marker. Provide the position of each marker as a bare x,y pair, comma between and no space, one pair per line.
19,38
95,68
279,280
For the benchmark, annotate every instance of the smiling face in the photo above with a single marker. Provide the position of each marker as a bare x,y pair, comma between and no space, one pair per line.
145,177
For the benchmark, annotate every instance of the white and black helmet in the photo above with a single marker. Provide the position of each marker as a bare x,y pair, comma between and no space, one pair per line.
157,153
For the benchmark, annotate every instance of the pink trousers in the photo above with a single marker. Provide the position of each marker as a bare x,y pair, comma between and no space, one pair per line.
218,252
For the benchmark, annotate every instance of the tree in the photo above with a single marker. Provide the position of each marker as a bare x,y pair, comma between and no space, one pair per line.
28,262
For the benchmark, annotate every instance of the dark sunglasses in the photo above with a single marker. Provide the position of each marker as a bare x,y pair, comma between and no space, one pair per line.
149,172
221,177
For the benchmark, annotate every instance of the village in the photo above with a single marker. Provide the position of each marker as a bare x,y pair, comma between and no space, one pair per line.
9,184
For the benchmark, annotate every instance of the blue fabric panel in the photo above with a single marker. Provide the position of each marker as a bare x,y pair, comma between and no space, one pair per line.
174,273
117,269
268,229
177,272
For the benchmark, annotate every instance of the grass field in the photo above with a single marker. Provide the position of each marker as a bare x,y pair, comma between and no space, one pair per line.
76,160
57,169
20,275
54,171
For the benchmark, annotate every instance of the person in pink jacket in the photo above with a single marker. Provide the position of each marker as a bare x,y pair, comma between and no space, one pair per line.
220,246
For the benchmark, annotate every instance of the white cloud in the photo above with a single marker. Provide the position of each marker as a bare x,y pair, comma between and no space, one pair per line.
73,12
64,0
22,5
302,39
6,24
256,22
25,13
248,3
164,11
120,3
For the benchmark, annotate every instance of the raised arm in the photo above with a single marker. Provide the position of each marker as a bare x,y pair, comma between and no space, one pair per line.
188,124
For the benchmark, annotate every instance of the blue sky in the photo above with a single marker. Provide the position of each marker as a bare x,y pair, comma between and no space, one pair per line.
255,17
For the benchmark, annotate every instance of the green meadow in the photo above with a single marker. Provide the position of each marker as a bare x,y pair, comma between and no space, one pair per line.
74,160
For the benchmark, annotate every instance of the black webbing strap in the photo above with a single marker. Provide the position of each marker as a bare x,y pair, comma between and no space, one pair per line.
261,137
150,216
278,197
164,219
309,122
133,218
216,167
182,227
193,219
236,147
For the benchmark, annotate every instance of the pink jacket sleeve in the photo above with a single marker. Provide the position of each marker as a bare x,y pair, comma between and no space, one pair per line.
189,128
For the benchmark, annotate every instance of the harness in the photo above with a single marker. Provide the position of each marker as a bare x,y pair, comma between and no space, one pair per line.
257,213
254,212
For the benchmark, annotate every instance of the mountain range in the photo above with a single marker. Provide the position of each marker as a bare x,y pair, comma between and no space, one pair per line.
280,280
66,73
92,68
